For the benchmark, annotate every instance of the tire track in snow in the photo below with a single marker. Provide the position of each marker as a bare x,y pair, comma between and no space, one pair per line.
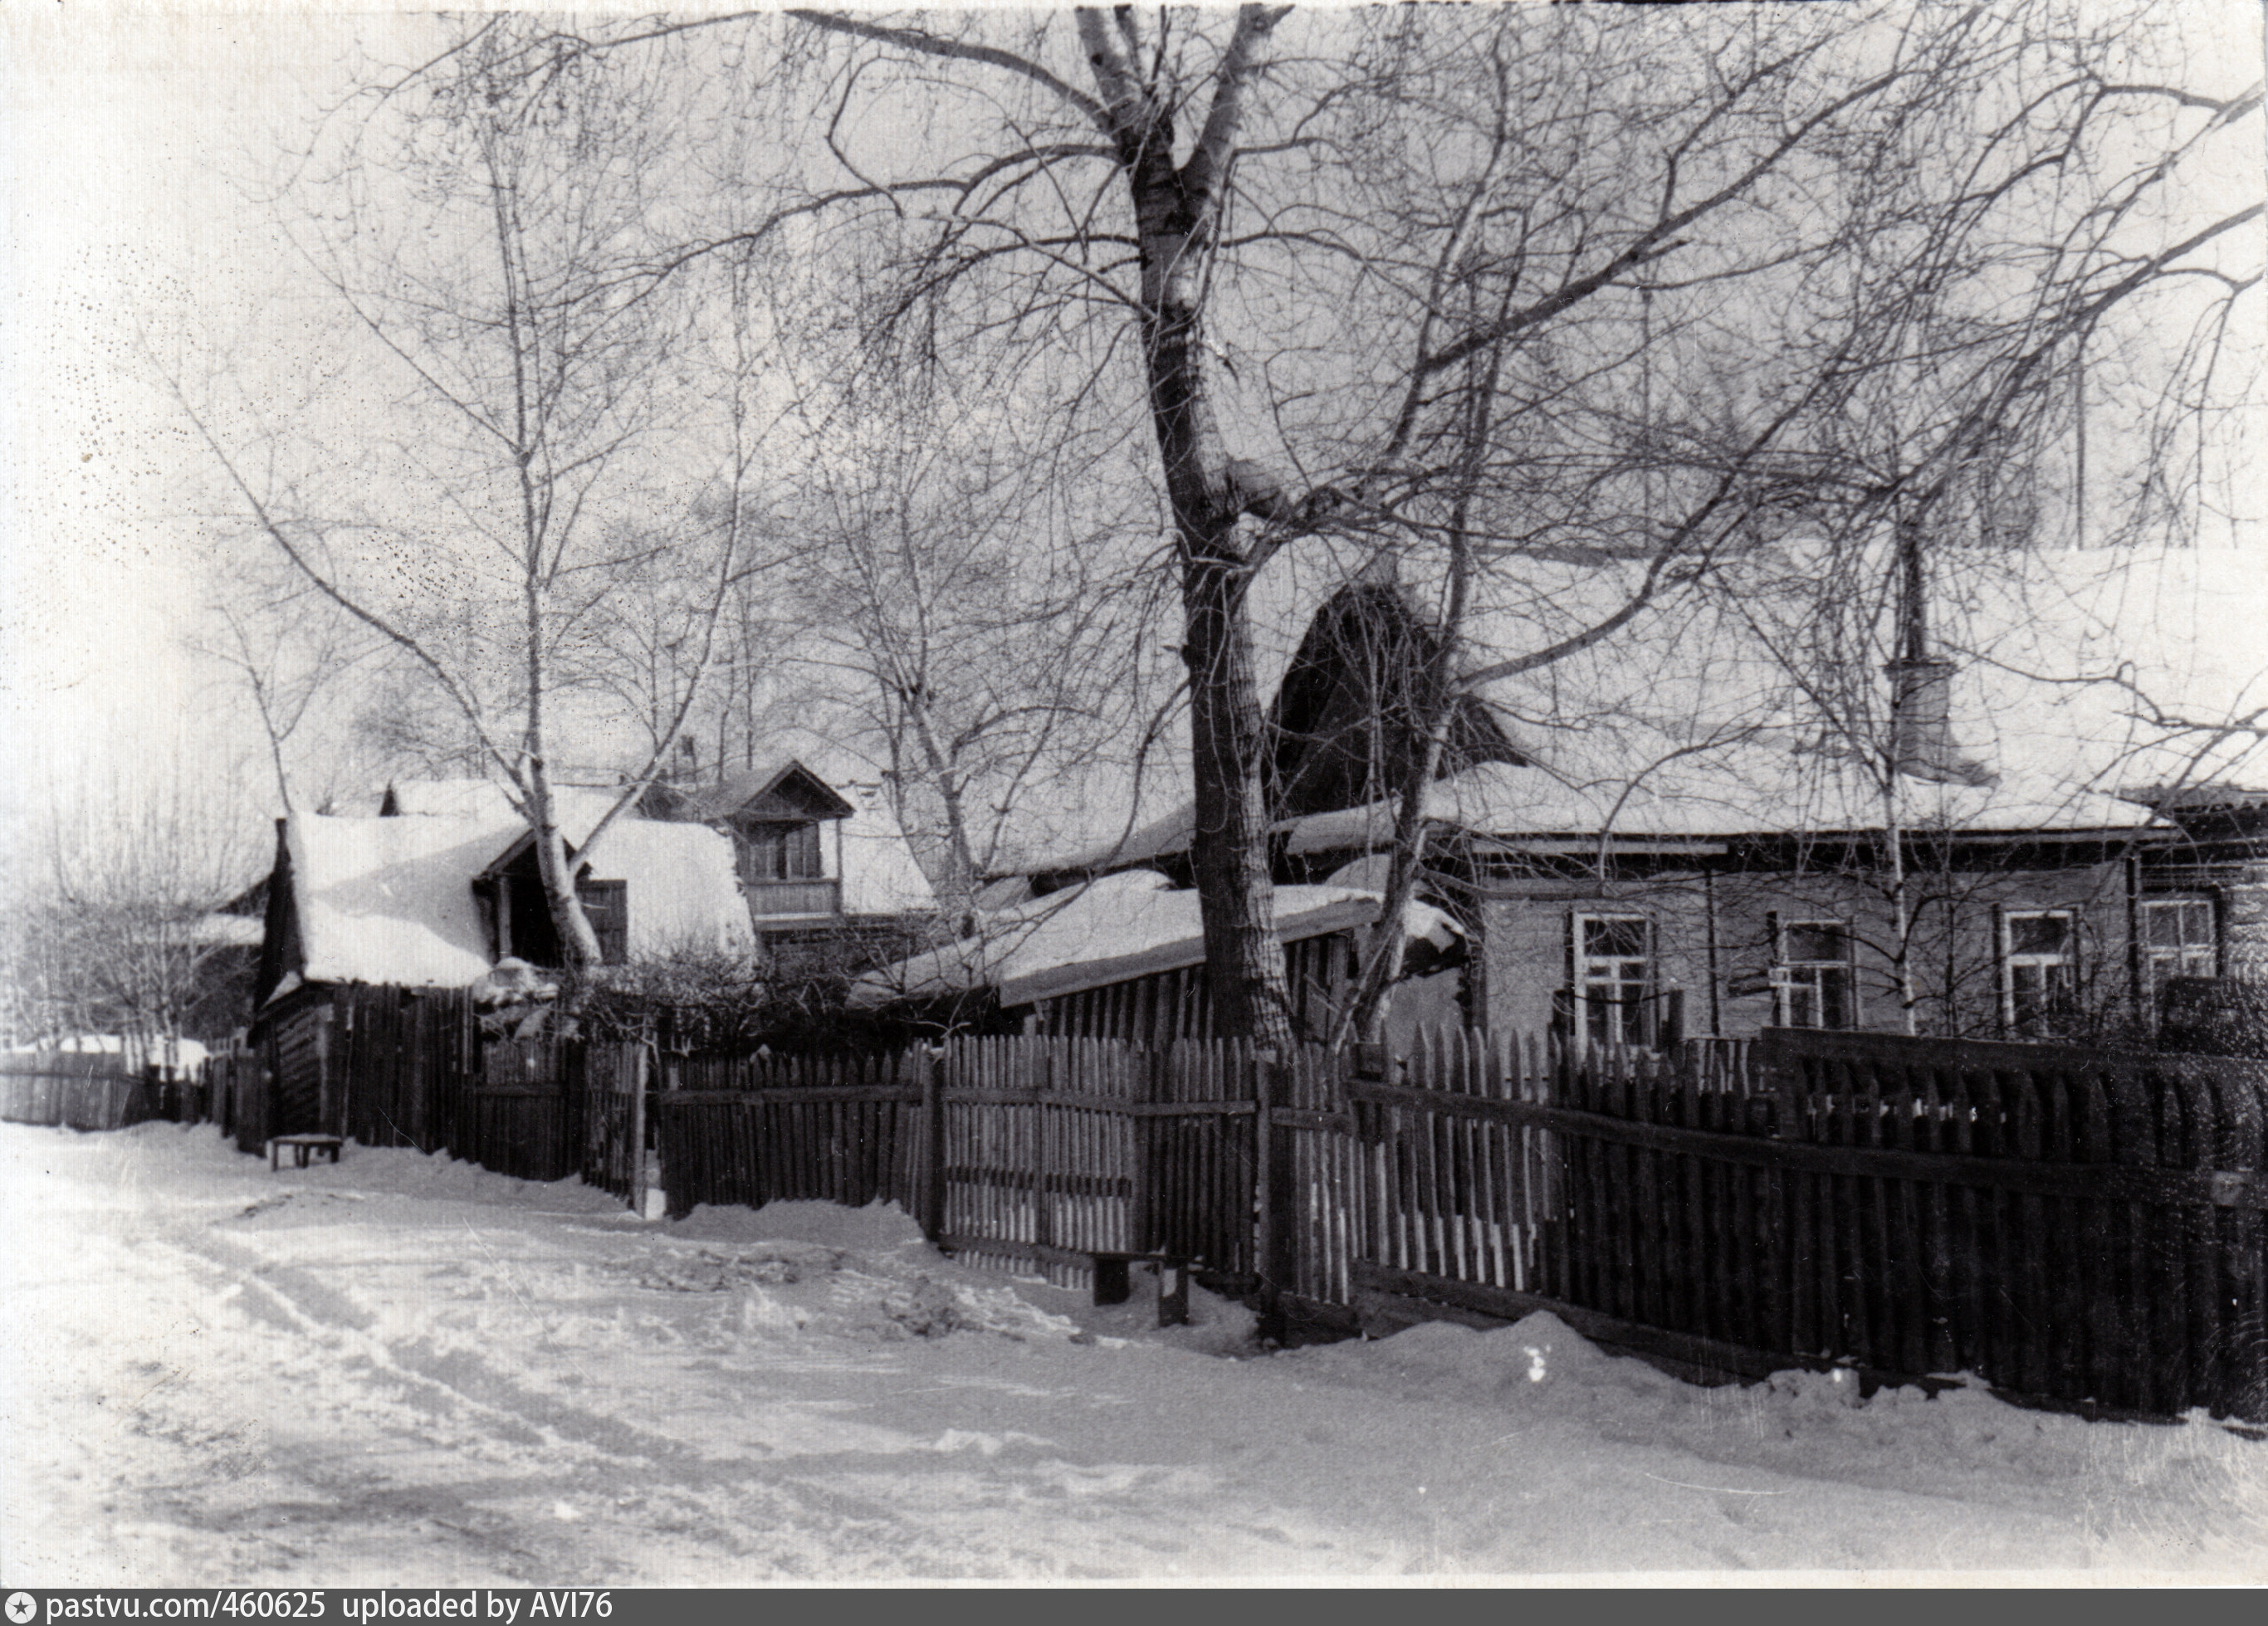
302,1304
801,1514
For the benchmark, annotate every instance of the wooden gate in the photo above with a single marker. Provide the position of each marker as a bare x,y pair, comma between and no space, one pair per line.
826,1126
521,1118
614,1121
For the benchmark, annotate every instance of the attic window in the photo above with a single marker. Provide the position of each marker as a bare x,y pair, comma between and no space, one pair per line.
781,851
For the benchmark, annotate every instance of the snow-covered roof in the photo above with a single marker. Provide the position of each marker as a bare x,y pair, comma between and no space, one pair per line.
879,876
1687,723
390,900
682,889
219,929
1111,930
578,808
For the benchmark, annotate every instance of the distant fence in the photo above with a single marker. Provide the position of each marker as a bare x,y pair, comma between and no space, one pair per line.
95,1089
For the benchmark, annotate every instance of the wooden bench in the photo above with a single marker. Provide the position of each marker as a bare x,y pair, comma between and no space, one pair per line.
1114,1283
303,1147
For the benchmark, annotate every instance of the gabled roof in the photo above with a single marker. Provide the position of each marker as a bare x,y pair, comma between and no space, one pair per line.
683,891
787,791
1112,931
390,900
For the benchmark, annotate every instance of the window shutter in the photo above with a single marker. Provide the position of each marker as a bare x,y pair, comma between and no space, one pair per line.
606,905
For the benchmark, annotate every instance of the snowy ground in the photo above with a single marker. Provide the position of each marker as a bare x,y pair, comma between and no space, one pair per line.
405,1371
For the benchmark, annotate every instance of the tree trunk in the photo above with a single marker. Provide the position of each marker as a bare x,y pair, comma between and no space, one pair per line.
578,944
1176,214
1244,960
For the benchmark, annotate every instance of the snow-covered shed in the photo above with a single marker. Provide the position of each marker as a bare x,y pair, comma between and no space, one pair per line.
1122,956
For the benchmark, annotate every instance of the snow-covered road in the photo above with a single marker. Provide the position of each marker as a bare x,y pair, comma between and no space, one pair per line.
405,1371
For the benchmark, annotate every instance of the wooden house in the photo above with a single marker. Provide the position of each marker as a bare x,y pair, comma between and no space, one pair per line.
815,862
1641,844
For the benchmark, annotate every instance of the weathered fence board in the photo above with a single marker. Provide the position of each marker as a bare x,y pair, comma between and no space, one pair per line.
834,1126
90,1090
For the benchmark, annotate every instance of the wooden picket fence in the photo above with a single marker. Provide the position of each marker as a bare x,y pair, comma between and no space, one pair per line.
2079,1226
2068,1223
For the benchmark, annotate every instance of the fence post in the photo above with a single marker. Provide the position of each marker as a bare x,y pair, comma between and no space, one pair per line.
635,1055
932,1184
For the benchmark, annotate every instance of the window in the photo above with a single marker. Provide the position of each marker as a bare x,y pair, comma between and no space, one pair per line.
2177,940
2039,965
782,852
1614,977
1814,974
606,905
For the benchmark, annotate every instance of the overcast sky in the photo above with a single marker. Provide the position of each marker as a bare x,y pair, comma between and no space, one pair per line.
121,133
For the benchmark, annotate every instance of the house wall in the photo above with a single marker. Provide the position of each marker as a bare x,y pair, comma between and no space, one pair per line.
1168,1005
2246,930
1526,934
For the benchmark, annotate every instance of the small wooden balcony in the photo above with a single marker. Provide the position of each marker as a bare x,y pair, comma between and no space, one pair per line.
770,900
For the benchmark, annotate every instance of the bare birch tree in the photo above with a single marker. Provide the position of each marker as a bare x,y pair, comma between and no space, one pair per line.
530,425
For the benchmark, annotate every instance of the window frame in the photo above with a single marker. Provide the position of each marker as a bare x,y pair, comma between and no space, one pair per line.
1786,984
2150,956
1639,1011
610,921
2011,961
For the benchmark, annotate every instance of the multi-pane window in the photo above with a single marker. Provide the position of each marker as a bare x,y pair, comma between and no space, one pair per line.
2177,940
781,852
2039,970
1813,976
1614,977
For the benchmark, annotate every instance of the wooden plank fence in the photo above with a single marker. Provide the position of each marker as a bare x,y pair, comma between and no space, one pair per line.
2075,1225
2068,1223
834,1126
73,1089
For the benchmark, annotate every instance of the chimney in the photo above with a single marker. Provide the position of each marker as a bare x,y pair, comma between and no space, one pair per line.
1921,724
